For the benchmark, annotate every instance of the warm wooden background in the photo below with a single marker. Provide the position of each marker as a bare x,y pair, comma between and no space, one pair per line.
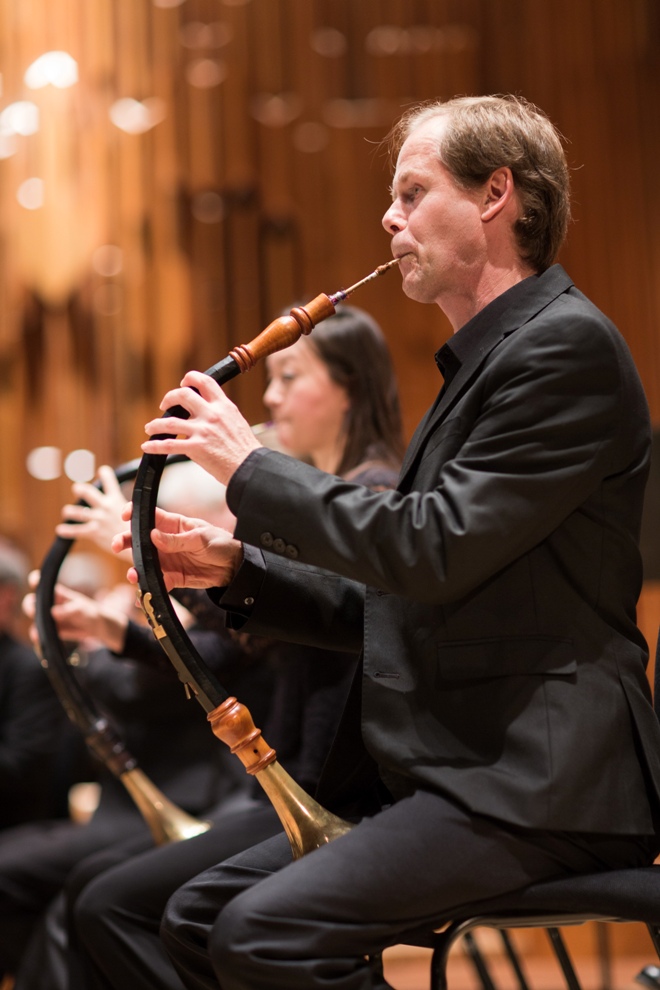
261,181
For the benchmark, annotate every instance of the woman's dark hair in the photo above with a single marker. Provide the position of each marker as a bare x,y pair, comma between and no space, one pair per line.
354,350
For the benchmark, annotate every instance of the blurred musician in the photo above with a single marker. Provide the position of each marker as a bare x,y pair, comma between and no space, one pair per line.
128,676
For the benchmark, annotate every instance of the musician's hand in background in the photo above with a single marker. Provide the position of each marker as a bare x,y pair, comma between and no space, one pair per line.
101,519
215,436
192,553
81,619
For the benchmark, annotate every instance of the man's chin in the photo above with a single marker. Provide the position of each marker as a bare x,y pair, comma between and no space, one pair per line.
416,291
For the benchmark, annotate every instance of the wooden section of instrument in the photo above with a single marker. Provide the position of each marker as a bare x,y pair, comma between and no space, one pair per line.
283,332
232,723
307,824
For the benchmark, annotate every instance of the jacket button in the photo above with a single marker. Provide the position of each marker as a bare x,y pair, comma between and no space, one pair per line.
266,539
279,545
291,551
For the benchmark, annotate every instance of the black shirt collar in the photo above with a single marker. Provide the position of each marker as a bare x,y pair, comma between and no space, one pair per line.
453,353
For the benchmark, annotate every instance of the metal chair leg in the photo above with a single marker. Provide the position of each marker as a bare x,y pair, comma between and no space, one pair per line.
647,977
439,969
654,932
604,955
442,944
478,961
563,959
514,959
650,975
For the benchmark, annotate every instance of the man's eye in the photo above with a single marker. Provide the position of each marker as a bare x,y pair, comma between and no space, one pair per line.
288,376
411,193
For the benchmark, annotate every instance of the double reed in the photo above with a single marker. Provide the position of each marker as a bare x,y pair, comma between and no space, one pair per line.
306,823
166,821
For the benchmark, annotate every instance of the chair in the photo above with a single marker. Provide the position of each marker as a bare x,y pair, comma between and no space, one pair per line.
631,895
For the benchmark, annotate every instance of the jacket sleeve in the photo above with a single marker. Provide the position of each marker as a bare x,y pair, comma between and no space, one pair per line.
555,411
296,603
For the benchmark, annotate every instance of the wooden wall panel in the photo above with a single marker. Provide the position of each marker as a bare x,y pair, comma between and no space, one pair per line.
263,182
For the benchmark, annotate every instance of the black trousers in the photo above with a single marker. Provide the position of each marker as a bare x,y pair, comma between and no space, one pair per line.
116,903
46,963
35,861
262,922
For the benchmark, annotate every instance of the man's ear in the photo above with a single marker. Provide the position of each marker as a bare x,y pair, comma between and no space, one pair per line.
499,191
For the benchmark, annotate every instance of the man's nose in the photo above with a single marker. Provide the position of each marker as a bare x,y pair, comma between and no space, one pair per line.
393,221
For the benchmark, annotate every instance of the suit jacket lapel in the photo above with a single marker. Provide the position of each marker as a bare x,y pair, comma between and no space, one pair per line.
528,298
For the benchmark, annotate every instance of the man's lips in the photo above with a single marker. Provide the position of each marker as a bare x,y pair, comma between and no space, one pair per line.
402,257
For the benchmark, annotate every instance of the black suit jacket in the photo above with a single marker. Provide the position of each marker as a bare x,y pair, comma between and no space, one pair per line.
31,725
494,593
